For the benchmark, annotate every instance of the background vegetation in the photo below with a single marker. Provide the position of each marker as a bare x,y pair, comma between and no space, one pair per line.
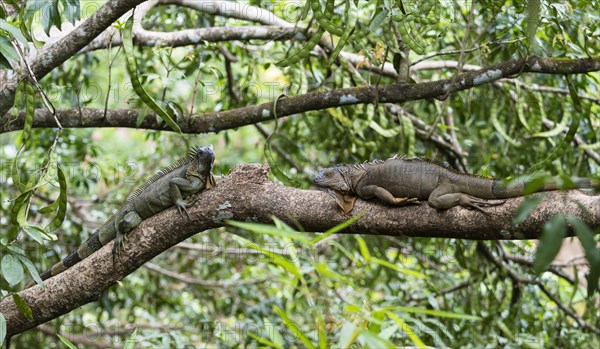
273,285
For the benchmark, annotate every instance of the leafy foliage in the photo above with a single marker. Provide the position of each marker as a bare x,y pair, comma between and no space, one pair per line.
276,285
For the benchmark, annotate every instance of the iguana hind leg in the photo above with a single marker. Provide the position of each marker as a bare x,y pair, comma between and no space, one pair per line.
446,201
122,228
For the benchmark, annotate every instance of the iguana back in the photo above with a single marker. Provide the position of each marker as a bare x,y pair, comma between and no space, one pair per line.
167,188
398,181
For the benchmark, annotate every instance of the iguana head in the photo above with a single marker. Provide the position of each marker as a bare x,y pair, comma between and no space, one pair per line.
338,180
334,178
204,158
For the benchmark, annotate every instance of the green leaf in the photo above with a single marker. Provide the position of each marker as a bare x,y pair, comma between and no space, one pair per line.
274,258
14,31
395,267
337,228
12,270
50,15
2,329
270,230
532,22
131,340
565,142
385,132
19,208
592,253
347,336
372,340
66,341
406,329
323,344
132,69
293,328
7,50
37,234
526,207
24,309
62,202
554,232
364,249
71,10
33,6
264,341
499,128
574,96
431,312
31,268
273,164
377,20
29,112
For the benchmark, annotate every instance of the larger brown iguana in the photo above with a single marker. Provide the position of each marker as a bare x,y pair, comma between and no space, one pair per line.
167,188
399,181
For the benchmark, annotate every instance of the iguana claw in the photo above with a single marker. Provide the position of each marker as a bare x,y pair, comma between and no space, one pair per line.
119,246
182,208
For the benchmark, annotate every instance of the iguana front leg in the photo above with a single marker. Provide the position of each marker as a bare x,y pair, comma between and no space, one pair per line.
179,185
374,191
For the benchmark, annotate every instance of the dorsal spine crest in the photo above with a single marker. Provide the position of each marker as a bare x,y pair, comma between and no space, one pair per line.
181,162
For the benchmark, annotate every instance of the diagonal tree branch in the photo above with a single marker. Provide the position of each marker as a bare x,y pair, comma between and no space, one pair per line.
247,195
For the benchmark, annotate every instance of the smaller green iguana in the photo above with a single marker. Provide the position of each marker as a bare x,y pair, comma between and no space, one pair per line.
167,188
400,181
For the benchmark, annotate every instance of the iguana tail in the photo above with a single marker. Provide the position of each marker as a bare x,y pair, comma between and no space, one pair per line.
99,238
503,191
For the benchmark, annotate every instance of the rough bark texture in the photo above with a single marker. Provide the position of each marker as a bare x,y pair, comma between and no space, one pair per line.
247,195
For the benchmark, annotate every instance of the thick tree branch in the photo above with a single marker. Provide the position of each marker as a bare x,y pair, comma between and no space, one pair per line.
247,195
392,93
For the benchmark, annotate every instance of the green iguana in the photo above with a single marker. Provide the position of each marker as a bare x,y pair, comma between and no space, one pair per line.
167,188
399,181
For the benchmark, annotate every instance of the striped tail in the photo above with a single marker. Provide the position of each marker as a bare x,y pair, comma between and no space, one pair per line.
502,191
91,245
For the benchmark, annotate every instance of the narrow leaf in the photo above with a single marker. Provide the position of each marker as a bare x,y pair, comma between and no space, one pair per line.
31,268
135,82
364,249
406,329
14,31
66,342
337,228
592,253
532,22
554,232
270,230
62,202
526,207
293,328
24,309
574,96
431,312
2,329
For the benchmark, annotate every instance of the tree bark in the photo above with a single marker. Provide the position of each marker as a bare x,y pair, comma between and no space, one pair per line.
248,195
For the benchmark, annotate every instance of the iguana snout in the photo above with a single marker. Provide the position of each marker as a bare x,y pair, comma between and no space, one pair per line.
204,155
332,178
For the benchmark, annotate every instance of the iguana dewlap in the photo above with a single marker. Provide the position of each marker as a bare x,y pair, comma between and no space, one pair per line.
399,181
167,188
